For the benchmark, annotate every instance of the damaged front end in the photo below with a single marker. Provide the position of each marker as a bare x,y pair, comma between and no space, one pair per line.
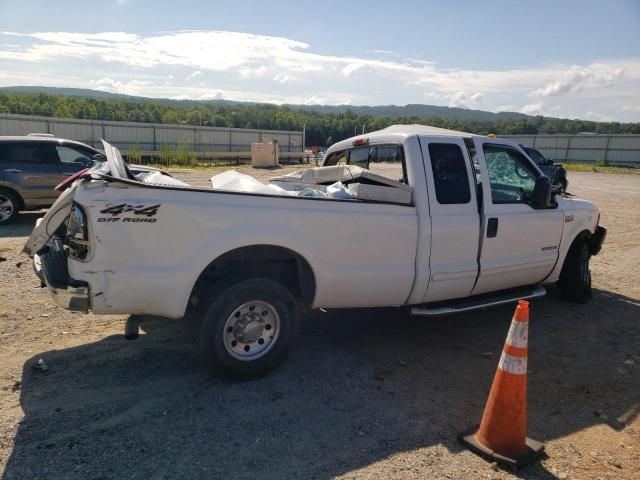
51,266
64,233
60,234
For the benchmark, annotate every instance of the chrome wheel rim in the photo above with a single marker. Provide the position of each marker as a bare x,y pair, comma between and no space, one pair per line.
6,207
251,330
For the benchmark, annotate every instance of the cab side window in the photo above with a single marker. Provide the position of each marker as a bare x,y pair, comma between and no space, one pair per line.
511,176
449,174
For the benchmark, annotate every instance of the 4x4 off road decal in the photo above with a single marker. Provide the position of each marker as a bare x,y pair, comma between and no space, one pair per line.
143,213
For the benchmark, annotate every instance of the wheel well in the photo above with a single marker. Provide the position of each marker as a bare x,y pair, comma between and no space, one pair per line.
15,194
266,261
583,236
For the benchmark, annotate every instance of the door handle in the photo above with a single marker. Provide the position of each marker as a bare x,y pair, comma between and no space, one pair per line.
13,170
492,227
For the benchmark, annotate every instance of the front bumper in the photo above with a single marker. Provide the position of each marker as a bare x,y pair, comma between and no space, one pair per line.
51,266
597,239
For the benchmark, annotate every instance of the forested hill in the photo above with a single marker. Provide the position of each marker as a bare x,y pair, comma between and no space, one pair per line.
411,110
415,110
324,124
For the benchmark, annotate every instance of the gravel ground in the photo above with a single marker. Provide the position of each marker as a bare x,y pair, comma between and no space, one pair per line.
365,394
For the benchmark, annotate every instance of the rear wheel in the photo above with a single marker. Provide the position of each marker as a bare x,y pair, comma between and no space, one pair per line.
248,328
9,206
575,278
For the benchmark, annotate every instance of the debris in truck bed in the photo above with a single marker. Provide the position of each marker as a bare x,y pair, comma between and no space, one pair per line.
360,183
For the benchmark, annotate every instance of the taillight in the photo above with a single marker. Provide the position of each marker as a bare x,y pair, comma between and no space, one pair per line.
77,238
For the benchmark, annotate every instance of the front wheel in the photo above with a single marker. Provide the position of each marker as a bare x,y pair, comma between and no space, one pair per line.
248,327
575,278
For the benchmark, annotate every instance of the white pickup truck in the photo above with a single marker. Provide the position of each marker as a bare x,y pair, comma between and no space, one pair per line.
475,224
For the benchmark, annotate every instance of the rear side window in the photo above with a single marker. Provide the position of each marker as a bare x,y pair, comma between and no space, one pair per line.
449,173
359,157
385,160
336,158
35,152
388,161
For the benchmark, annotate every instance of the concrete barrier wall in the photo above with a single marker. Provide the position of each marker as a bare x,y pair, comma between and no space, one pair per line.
149,136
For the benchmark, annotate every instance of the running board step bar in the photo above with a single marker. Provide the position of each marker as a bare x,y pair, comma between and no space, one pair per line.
476,303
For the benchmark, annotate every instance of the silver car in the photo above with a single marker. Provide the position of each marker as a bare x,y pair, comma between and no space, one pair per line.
31,166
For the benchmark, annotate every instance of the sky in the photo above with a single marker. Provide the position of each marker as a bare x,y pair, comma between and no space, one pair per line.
569,59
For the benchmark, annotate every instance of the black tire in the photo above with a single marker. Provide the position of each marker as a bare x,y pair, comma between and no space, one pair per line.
10,204
575,278
563,184
224,315
561,176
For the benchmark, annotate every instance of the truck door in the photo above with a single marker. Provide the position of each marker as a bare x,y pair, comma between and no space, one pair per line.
519,243
455,221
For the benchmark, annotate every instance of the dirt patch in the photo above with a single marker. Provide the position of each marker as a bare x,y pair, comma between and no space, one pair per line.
365,394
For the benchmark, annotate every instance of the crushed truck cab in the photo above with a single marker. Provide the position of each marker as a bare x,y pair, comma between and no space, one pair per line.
436,220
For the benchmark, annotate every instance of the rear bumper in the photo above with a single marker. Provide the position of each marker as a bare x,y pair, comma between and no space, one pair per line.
597,239
51,266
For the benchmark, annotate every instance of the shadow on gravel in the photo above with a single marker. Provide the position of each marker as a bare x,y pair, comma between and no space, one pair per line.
359,387
22,225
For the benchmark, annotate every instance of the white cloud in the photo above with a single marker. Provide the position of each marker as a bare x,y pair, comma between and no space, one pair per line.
281,78
352,68
263,68
433,96
465,100
533,109
578,78
132,87
253,72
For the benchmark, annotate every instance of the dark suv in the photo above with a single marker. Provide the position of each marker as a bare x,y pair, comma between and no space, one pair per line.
31,166
554,171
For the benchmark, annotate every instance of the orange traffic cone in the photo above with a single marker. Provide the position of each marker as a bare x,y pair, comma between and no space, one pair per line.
502,435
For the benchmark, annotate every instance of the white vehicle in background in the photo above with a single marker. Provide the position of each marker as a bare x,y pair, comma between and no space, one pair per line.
434,220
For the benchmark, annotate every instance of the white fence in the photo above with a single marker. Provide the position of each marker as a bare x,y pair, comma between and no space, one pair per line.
149,136
623,150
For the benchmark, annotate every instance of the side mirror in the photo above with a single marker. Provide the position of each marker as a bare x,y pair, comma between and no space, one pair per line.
541,195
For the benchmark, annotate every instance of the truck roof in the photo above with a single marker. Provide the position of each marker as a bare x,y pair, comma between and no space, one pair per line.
396,132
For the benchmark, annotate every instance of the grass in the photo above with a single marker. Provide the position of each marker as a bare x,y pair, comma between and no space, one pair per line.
590,167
